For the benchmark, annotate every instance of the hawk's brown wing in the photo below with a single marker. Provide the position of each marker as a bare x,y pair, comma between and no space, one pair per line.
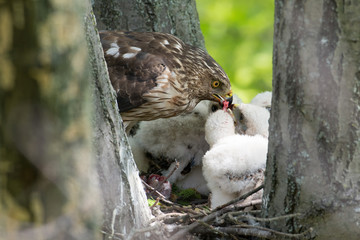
132,68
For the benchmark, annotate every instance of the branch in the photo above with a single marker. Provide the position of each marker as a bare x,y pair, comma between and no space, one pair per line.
246,232
253,231
266,219
290,235
180,234
168,215
213,229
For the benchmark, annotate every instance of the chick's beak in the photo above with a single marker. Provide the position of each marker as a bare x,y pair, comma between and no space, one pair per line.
229,97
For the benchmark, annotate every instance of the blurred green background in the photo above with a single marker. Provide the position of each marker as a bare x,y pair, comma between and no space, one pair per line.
239,36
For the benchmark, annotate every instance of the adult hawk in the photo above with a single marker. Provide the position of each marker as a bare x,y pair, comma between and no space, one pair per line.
156,75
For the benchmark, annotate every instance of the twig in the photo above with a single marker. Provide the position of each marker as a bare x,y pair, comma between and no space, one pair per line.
242,197
251,203
172,171
268,219
155,203
246,232
213,229
180,234
180,208
291,235
168,202
153,189
169,175
254,212
111,236
167,215
234,237
239,232
162,197
231,218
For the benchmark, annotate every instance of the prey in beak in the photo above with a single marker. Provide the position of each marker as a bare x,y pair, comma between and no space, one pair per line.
226,103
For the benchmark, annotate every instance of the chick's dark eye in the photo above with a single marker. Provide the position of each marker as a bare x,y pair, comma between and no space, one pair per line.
241,117
215,83
214,108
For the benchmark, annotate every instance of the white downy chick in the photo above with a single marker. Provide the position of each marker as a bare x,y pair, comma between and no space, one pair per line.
252,120
194,179
263,100
219,125
157,145
235,163
160,142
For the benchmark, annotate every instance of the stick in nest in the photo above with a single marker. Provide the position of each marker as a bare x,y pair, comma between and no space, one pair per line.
158,185
162,197
242,197
263,232
220,210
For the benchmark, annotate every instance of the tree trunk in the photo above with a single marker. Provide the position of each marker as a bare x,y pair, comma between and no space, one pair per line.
125,204
126,211
313,163
45,126
47,184
179,18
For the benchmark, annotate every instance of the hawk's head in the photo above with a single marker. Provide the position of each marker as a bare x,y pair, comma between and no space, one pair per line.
209,79
156,75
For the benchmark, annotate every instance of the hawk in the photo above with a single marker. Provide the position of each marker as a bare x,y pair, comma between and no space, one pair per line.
156,75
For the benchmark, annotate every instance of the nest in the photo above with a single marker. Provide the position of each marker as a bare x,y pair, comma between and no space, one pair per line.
236,219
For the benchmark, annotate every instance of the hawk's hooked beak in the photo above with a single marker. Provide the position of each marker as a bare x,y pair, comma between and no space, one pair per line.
228,97
228,107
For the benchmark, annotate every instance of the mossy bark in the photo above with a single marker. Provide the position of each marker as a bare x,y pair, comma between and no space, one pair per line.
47,188
49,96
313,163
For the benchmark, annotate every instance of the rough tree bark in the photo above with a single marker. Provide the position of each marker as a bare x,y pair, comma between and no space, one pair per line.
179,18
125,203
47,184
126,211
314,147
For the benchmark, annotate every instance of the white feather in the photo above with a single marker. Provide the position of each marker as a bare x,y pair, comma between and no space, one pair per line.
135,49
128,55
113,51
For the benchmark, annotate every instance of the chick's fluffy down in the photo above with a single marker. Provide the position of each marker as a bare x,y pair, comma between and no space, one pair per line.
232,158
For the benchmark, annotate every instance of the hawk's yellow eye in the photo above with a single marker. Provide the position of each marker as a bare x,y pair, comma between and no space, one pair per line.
215,84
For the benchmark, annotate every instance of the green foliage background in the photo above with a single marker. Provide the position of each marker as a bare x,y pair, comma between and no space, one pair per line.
239,36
